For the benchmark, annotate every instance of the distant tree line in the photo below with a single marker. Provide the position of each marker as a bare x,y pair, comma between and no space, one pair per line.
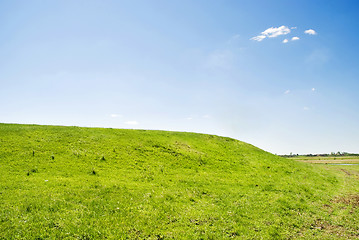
332,154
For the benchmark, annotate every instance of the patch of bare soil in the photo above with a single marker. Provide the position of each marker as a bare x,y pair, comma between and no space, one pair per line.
335,227
346,172
352,200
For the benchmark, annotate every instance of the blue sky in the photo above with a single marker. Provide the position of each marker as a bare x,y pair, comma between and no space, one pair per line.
195,66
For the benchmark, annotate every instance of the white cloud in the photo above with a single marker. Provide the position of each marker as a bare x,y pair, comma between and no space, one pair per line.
258,38
306,108
313,89
189,118
293,28
285,41
286,92
271,33
295,38
131,123
310,32
115,115
275,32
206,116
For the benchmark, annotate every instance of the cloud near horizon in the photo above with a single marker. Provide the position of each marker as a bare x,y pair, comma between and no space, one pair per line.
272,32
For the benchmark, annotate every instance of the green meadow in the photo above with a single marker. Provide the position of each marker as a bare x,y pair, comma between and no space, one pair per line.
95,183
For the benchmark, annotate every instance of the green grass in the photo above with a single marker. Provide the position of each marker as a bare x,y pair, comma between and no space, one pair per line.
90,183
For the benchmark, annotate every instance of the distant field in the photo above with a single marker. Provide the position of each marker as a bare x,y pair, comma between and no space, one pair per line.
94,183
328,160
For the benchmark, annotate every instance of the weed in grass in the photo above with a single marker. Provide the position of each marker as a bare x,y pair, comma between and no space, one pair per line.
33,170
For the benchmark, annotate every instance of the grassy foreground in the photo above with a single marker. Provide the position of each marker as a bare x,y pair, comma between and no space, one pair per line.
88,183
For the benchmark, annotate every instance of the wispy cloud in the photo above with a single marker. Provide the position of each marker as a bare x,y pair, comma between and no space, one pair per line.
115,115
295,38
220,59
318,57
287,92
131,123
271,33
306,108
310,32
313,89
233,39
258,38
285,41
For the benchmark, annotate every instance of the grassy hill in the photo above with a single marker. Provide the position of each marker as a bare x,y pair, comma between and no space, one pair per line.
91,183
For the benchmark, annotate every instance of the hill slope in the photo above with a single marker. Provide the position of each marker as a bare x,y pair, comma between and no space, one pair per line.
88,183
